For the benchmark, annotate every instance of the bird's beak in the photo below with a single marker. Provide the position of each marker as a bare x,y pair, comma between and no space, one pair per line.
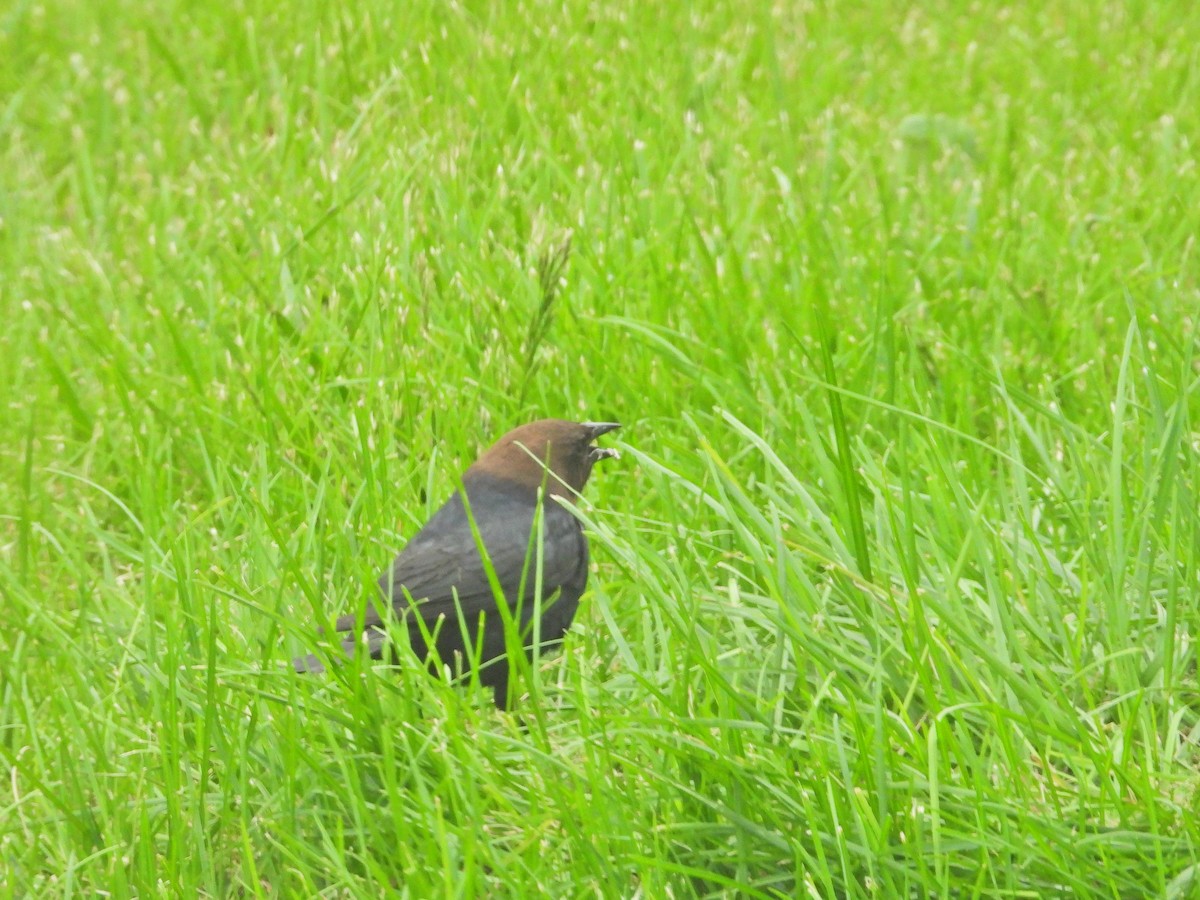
599,428
595,429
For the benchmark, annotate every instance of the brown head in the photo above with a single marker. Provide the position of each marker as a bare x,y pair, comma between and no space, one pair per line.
523,455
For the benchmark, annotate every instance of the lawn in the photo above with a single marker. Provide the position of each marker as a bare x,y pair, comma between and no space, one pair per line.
895,591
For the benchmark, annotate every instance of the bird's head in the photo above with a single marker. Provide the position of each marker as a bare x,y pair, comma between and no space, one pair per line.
566,449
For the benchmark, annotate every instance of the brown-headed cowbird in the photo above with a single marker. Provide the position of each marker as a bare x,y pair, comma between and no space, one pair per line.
439,580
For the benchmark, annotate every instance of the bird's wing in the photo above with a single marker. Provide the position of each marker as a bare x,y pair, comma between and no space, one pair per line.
443,562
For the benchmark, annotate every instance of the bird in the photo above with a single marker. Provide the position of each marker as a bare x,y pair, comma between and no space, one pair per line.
438,589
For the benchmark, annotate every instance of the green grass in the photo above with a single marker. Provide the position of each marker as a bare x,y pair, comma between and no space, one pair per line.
895,590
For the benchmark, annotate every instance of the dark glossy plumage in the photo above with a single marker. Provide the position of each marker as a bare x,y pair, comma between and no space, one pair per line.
441,571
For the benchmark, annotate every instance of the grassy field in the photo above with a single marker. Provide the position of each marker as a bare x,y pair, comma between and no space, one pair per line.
895,590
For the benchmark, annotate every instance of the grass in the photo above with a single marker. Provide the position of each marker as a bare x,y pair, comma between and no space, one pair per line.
894,591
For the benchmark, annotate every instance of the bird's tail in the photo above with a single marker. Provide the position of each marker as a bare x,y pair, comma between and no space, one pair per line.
310,663
372,642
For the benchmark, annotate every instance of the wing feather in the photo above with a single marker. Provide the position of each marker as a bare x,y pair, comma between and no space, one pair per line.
441,570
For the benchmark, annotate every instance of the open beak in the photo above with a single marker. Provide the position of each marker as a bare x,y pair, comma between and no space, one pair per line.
596,429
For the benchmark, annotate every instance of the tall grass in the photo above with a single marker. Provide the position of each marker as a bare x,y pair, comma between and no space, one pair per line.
894,591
